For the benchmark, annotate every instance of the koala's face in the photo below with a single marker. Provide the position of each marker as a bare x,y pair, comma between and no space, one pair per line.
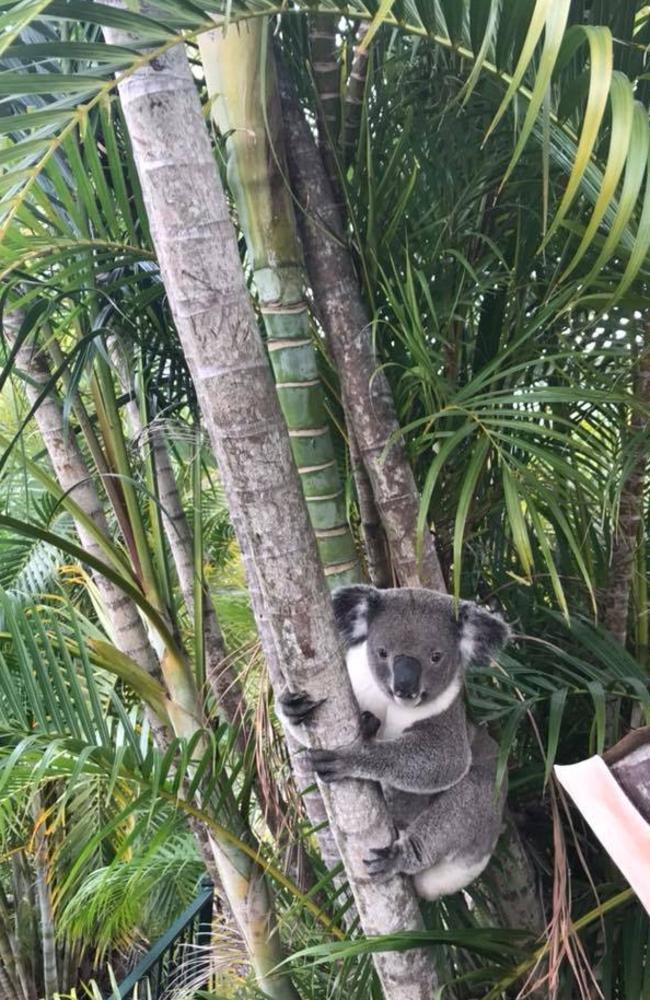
416,645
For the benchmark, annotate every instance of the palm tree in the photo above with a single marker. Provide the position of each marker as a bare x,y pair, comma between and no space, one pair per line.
505,284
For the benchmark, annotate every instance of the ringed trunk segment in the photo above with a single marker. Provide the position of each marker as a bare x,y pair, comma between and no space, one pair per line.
239,76
217,327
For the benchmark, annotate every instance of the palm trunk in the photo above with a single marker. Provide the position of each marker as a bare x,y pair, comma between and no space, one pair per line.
327,81
616,598
375,545
189,220
354,96
238,77
367,399
41,866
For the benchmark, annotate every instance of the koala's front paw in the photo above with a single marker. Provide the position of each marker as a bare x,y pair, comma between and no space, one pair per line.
385,861
370,725
297,707
332,765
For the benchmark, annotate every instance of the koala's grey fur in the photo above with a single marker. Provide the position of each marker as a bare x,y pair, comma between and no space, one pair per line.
406,655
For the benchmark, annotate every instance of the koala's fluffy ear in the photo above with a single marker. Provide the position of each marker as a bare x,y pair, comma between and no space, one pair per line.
482,633
354,608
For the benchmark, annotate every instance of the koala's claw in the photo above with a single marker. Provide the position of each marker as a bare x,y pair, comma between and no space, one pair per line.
329,765
384,862
298,706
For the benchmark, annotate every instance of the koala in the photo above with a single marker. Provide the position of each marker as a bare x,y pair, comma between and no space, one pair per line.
406,653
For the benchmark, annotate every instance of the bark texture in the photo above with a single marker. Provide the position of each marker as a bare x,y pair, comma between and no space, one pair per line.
355,90
200,264
629,762
367,398
616,599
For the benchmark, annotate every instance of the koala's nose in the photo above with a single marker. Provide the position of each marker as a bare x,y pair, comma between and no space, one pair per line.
406,676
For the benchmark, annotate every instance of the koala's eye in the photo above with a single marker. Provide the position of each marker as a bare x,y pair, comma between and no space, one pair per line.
383,653
436,657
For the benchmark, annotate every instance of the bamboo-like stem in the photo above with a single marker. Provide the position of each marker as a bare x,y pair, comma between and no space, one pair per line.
367,399
189,217
244,103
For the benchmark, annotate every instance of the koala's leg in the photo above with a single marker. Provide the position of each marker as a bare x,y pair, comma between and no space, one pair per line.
449,843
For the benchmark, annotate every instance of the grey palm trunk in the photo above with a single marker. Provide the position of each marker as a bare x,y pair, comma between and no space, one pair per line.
199,260
240,76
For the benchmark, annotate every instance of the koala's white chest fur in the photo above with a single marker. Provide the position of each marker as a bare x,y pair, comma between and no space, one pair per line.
370,697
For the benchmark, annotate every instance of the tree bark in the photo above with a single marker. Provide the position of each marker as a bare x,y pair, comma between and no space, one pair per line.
367,399
629,762
200,264
616,598
355,90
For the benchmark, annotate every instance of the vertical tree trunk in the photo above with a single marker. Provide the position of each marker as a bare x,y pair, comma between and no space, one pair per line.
199,261
375,543
41,866
240,75
355,91
219,675
616,598
615,601
327,79
367,399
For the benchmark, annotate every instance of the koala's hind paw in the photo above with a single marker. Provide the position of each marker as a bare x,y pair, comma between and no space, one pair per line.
297,706
384,862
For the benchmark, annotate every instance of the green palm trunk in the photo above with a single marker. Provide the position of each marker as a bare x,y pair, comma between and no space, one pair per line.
240,79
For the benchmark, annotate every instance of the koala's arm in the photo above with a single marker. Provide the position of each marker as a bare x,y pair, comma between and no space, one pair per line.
430,756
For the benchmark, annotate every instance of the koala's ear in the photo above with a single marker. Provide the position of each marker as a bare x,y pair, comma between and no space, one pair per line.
482,633
354,608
